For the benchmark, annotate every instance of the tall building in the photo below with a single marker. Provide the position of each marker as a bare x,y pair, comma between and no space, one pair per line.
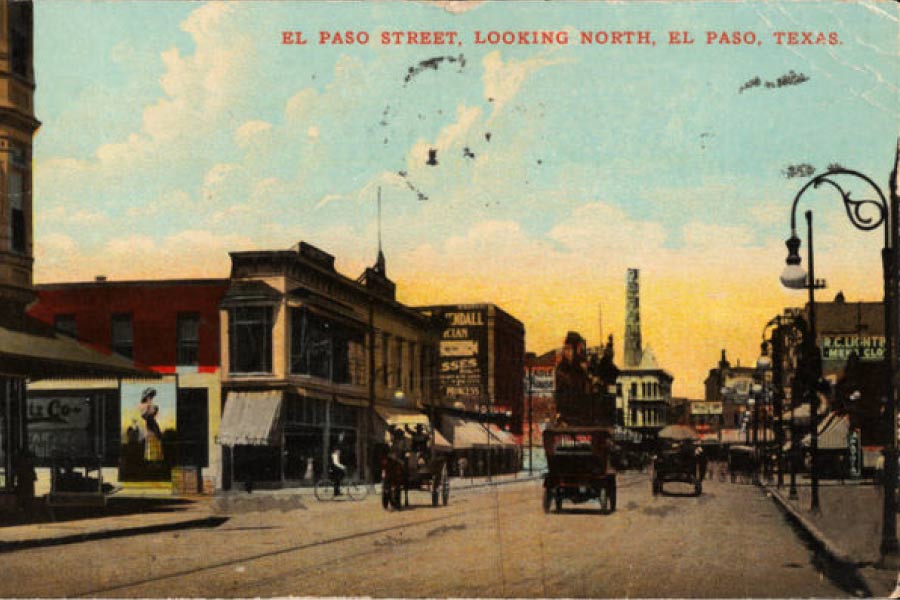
643,388
632,319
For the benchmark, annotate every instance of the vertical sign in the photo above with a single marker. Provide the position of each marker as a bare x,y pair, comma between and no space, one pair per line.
463,360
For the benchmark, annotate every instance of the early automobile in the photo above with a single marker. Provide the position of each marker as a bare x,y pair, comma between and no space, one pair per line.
679,461
578,467
741,463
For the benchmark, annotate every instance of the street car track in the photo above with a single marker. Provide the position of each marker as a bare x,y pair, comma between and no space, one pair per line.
279,552
243,560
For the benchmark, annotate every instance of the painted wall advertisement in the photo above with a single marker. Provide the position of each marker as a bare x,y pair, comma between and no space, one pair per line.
60,427
148,431
840,347
463,376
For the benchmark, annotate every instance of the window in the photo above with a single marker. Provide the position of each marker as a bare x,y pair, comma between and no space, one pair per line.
619,389
20,21
633,390
65,324
325,348
250,339
122,335
412,366
385,345
188,339
16,192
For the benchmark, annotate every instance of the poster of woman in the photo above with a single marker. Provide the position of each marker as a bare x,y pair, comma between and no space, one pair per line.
148,431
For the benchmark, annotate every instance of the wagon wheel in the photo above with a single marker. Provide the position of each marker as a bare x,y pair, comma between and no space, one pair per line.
612,496
445,486
548,496
604,499
558,500
435,491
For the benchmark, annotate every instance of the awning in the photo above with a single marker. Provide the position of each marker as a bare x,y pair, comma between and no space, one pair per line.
251,419
504,439
465,434
399,417
38,352
833,433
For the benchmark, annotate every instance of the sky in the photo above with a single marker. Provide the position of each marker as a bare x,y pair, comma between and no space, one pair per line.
174,133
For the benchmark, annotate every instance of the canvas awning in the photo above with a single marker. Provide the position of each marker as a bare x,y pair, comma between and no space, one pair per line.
465,434
504,439
251,419
398,417
833,433
36,351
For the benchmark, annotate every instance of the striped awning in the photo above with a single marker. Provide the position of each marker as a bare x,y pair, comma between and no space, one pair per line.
251,419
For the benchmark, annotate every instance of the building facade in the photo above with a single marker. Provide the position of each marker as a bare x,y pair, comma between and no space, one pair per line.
482,358
313,360
644,394
169,327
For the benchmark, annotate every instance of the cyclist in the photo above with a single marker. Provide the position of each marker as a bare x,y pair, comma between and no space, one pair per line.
337,470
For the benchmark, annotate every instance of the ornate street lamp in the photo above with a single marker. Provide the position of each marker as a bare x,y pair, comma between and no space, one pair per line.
866,214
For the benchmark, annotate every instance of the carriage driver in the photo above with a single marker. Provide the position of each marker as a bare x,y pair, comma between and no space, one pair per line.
420,439
399,447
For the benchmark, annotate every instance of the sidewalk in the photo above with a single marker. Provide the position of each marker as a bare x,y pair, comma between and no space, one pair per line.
847,527
134,514
122,516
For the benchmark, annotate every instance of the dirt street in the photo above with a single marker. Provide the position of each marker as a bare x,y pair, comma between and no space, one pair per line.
488,542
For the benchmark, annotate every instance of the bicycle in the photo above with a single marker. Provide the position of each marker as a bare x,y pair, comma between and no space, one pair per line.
352,489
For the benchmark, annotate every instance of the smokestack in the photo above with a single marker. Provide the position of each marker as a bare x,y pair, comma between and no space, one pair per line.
633,349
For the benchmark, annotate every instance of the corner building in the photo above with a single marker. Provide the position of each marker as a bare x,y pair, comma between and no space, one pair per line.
313,360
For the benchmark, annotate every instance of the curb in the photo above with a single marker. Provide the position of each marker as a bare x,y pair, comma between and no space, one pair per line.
822,541
494,483
110,534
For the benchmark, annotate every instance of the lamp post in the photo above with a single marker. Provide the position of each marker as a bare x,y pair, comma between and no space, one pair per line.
867,214
751,427
530,416
763,365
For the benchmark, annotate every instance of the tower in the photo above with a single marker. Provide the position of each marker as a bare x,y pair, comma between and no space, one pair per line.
633,349
17,127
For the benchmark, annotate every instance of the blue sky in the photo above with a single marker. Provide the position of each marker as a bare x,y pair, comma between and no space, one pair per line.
175,132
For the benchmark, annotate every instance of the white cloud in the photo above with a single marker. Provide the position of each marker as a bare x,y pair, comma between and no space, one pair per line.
502,80
252,132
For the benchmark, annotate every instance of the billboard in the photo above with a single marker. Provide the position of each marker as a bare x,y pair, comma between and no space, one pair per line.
839,347
463,360
60,426
149,436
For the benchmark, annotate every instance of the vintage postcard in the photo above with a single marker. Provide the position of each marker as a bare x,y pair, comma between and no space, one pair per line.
449,299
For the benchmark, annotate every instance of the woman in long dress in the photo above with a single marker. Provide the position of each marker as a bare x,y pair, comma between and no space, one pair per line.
153,451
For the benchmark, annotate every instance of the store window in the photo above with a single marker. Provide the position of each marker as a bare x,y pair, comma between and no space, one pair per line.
188,339
122,335
250,339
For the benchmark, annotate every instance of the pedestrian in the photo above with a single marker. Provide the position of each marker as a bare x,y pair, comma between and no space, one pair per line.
25,478
338,470
461,464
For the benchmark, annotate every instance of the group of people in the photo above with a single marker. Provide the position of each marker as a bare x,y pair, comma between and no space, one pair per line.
401,449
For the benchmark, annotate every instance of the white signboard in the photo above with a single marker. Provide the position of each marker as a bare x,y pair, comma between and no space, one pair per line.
459,348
